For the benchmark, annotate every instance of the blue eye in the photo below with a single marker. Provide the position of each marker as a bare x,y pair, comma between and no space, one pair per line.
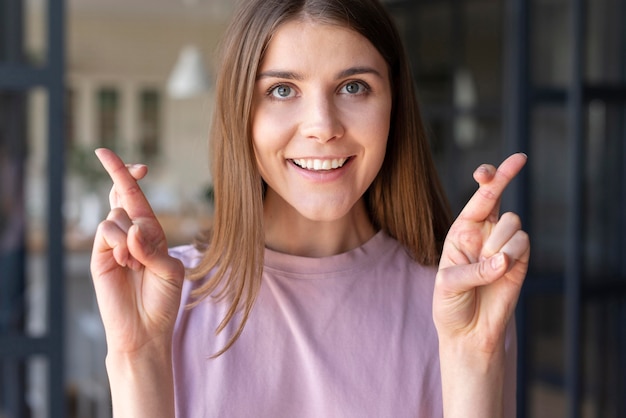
281,91
354,87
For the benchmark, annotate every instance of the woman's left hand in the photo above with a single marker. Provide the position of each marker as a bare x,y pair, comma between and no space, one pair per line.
483,265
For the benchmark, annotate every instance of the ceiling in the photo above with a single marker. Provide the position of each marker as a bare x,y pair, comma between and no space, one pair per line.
218,9
198,8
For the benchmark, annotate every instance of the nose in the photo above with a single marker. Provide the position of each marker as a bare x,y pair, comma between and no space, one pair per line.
321,119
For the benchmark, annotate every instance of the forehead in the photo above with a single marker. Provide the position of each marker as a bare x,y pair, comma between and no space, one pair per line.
309,44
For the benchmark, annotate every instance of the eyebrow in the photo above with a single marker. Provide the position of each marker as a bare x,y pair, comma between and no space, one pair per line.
358,70
290,75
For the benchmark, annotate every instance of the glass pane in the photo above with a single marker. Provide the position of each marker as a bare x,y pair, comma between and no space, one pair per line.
24,388
550,42
13,251
604,209
23,206
456,52
476,141
150,122
604,371
606,41
23,27
433,49
36,209
549,183
35,31
482,40
545,322
108,117
86,374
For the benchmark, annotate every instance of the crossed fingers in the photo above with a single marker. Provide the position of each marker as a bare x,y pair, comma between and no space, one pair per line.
485,203
125,192
480,232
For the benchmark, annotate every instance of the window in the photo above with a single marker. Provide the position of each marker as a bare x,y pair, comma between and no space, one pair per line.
547,77
108,117
149,122
31,235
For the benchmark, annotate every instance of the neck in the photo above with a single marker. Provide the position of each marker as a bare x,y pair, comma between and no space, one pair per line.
287,231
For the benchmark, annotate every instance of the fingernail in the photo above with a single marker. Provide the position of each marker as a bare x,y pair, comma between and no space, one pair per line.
124,261
483,169
134,166
138,234
497,261
134,265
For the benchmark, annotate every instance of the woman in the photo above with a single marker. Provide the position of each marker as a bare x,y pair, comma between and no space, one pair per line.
319,276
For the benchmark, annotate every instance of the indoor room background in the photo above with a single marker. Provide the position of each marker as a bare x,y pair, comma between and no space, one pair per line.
546,77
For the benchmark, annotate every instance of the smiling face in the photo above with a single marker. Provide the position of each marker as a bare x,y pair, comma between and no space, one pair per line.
320,122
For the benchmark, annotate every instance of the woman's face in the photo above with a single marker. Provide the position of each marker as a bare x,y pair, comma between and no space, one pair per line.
320,119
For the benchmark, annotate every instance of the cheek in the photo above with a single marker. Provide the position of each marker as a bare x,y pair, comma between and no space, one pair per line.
378,136
271,128
268,141
375,130
264,135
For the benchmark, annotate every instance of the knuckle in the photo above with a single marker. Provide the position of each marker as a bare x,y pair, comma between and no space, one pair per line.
111,228
151,251
487,193
101,228
116,213
523,237
109,235
512,219
468,239
119,217
133,190
482,271
178,268
105,227
444,282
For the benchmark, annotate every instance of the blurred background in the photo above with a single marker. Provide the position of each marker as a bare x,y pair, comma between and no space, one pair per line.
547,77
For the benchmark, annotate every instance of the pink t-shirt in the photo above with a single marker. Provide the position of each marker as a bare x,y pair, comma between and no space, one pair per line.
349,335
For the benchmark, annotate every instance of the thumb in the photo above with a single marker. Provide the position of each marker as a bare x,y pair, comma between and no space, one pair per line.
463,278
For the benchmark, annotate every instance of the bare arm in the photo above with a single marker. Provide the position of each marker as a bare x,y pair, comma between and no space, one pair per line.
138,287
482,269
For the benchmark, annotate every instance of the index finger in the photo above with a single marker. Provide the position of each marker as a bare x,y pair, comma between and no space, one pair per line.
486,201
132,199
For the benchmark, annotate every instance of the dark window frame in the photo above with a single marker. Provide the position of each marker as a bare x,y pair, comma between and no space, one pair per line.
18,76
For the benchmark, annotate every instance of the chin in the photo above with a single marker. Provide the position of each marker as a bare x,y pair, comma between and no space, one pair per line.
326,213
322,216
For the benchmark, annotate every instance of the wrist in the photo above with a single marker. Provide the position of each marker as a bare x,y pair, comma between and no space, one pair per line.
141,382
471,376
466,351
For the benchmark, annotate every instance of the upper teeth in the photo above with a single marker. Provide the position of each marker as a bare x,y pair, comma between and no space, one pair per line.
315,164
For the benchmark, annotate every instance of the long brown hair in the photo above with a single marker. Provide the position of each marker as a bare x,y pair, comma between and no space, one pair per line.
405,200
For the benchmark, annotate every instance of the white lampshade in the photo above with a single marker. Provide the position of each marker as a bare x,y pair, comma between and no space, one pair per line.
466,129
188,79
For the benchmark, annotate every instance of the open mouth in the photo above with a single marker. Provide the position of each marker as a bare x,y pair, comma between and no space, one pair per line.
315,164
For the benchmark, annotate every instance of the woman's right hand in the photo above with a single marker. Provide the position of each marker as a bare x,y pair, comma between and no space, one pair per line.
137,283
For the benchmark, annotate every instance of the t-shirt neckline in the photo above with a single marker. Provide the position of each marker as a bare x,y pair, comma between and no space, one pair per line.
360,257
